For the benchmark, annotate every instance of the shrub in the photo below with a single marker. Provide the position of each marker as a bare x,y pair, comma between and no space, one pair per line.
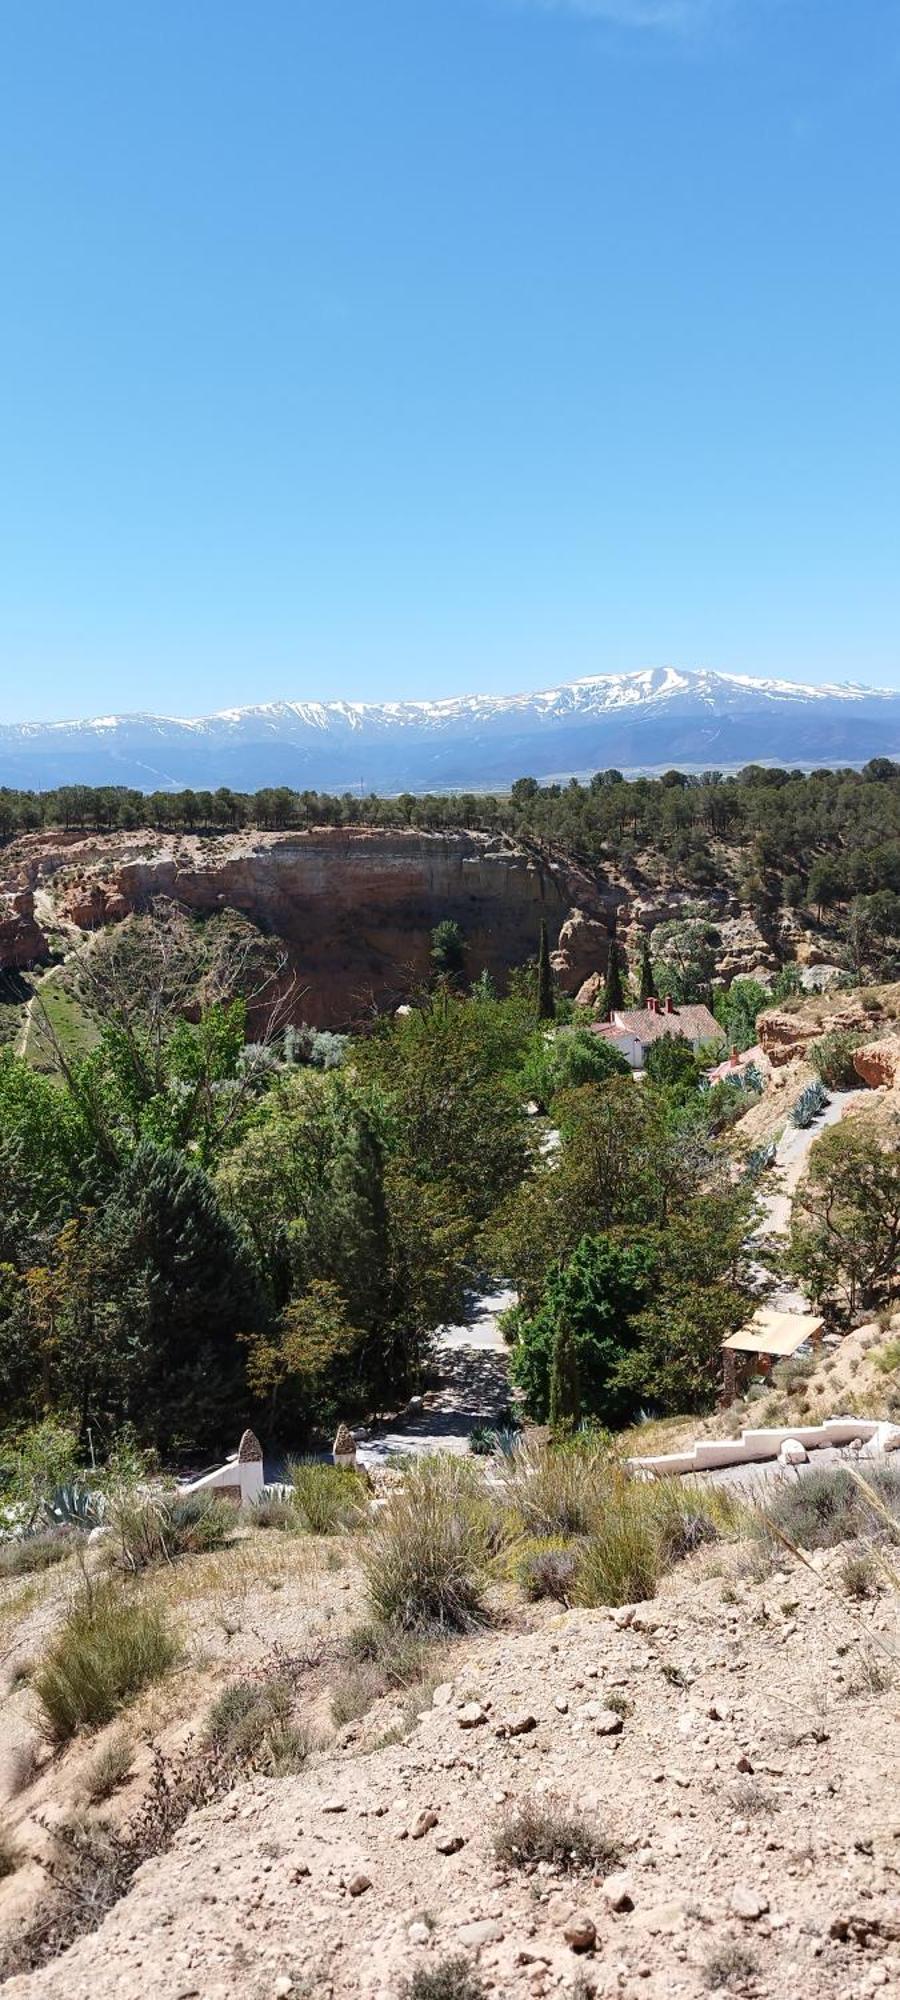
10,1856
793,1373
250,1725
107,1649
453,1979
549,1830
380,1660
109,1768
553,1492
832,1058
887,1360
828,1505
621,1563
329,1498
427,1555
729,1964
859,1576
685,1518
546,1567
153,1530
275,1510
24,1554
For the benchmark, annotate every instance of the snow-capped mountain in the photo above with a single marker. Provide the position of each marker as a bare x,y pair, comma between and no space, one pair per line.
638,722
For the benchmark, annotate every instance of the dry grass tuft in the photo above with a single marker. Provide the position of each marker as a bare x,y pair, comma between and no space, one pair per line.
107,1649
550,1830
426,1558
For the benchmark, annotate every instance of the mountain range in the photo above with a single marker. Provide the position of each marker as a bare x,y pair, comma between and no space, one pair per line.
637,722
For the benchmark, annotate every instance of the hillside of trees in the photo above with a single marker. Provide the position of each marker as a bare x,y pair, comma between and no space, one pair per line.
783,837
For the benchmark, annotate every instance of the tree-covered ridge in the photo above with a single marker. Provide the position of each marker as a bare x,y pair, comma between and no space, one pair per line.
783,836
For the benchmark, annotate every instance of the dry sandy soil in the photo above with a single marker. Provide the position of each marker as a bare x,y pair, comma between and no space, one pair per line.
750,1787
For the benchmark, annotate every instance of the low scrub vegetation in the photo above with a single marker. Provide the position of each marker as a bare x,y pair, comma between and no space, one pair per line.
10,1856
550,1831
328,1499
830,1504
452,1979
107,1649
110,1767
151,1530
427,1556
251,1725
24,1555
380,1660
546,1566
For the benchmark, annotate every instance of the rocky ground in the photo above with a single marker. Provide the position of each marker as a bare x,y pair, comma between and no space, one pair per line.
736,1742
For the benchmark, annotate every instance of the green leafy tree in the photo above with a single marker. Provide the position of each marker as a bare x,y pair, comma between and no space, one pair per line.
583,1326
572,1057
448,950
845,1224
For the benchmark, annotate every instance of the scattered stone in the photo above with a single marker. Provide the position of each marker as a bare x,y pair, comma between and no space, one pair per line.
580,1932
471,1715
618,1891
561,1705
418,1933
283,1985
358,1884
748,1904
488,1931
449,1843
744,1765
333,1805
719,1709
517,1725
423,1823
607,1722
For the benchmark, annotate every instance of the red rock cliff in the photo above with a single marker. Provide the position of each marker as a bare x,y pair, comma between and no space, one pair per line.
356,906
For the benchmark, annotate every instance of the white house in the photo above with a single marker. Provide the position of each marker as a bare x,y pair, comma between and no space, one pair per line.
633,1030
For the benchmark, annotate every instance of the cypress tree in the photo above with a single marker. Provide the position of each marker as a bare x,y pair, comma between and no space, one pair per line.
613,996
648,983
546,1005
565,1388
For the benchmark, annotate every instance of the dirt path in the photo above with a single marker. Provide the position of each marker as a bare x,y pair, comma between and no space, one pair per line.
472,1360
790,1164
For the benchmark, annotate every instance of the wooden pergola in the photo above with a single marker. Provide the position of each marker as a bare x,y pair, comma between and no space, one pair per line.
768,1337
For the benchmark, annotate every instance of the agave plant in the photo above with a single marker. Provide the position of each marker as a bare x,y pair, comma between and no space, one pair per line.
810,1102
73,1506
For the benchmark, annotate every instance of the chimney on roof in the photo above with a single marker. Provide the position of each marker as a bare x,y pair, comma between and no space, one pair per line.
669,1006
652,1004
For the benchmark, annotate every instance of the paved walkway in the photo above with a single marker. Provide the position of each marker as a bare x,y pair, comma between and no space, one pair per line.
472,1362
790,1163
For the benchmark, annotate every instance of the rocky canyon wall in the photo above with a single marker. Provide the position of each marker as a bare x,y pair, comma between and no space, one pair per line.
355,907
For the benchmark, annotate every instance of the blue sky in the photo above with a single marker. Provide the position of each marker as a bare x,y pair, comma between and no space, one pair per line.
400,347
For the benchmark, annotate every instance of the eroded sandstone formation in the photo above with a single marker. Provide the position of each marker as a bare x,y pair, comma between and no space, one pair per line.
355,907
22,941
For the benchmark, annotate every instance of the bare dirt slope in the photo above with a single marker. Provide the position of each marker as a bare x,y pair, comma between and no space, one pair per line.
749,1783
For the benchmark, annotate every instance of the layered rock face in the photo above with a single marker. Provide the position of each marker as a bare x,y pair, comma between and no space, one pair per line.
356,906
22,941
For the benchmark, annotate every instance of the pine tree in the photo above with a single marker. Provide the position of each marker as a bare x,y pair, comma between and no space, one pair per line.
613,997
565,1388
648,983
546,1005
